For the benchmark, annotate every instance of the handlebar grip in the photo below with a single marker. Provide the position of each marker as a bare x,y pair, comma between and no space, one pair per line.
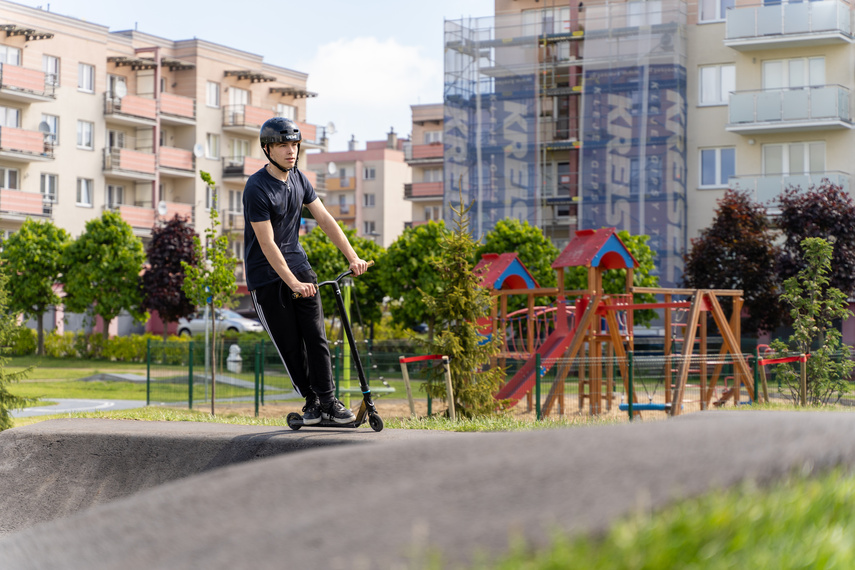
295,295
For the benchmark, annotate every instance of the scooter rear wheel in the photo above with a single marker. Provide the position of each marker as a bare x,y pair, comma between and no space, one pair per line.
376,422
295,421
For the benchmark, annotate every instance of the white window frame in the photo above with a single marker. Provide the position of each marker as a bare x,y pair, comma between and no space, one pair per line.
212,94
211,197
49,187
52,122
240,148
236,201
786,167
114,195
10,55
815,77
720,181
85,135
369,227
723,77
432,175
369,173
115,139
433,137
719,10
286,111
51,66
10,178
10,117
368,200
85,187
212,146
86,77
432,213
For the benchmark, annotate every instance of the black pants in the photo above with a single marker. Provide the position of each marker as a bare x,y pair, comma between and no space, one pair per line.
296,327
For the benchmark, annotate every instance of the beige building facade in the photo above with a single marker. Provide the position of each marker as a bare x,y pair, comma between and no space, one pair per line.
424,155
94,120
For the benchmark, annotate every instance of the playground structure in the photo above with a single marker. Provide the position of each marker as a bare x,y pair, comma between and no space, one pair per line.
592,333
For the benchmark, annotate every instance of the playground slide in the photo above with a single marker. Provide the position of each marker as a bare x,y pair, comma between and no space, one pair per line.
523,381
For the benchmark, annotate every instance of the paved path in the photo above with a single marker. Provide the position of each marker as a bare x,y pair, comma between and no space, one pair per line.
70,406
142,495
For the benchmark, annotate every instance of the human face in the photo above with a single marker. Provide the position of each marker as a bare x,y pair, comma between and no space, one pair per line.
284,153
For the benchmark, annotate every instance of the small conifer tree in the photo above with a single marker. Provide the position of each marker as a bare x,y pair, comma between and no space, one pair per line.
457,306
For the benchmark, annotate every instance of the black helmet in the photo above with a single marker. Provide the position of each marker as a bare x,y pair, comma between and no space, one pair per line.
279,130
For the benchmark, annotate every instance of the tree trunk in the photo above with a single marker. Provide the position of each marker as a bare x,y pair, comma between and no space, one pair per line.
40,350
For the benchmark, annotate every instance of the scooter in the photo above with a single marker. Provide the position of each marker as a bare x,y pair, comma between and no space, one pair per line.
367,411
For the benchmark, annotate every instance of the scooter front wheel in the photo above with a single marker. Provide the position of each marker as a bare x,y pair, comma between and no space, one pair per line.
376,422
295,421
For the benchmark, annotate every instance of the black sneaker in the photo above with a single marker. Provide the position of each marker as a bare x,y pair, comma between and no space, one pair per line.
312,413
336,412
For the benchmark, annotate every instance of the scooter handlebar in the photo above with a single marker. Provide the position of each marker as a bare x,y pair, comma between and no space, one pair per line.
336,280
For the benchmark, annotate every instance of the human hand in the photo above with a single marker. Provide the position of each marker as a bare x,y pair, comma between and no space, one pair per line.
359,266
301,289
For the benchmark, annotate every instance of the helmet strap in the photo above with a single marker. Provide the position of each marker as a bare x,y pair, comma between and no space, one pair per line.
276,164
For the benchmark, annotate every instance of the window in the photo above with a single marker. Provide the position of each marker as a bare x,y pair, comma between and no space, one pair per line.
717,166
235,201
287,111
432,213
85,135
370,228
212,145
84,191
238,96
714,10
240,148
369,173
433,137
50,65
343,206
117,85
432,175
212,94
797,72
794,158
717,81
10,117
10,178
52,122
10,55
115,196
49,187
115,139
211,197
368,200
86,77
237,250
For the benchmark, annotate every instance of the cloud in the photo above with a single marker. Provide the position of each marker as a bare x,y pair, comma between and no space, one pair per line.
365,86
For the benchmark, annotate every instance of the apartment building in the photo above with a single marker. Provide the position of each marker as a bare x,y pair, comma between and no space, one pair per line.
94,120
424,155
364,188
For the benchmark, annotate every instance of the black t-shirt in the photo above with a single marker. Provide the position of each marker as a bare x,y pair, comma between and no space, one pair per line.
267,198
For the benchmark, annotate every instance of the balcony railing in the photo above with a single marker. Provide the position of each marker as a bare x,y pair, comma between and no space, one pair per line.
26,84
182,108
136,216
27,145
21,203
766,188
347,183
423,190
131,162
338,212
825,106
790,22
245,116
177,159
233,220
422,152
130,107
240,166
187,211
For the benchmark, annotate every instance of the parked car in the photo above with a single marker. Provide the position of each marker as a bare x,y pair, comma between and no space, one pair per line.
226,321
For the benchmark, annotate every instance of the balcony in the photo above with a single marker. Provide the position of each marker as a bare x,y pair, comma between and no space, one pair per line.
19,145
130,110
765,189
176,162
790,110
347,183
423,191
25,85
187,211
244,119
241,166
342,212
129,164
785,25
426,153
15,204
140,218
233,221
177,110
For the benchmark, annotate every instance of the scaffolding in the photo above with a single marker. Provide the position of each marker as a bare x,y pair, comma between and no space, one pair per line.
571,117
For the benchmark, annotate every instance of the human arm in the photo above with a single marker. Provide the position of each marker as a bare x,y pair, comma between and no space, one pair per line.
264,235
333,231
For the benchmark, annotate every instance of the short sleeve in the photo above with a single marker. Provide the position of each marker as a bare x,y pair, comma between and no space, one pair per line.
256,204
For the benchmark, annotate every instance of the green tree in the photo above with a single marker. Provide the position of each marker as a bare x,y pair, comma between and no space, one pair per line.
815,306
535,251
33,261
103,270
212,281
457,303
408,273
738,252
171,244
8,401
328,262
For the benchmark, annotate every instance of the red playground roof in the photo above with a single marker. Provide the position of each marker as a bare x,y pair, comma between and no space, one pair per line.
596,248
504,271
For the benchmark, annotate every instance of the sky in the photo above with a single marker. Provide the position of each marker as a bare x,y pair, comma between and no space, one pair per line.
367,61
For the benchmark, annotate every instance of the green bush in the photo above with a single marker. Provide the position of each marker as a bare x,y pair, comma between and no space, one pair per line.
61,345
23,341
